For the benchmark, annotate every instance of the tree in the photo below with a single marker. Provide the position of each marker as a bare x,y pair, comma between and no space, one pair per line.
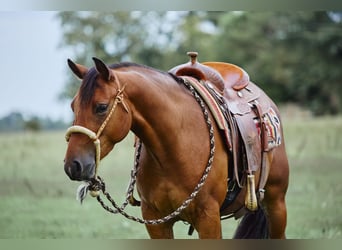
142,37
33,124
15,121
293,56
12,122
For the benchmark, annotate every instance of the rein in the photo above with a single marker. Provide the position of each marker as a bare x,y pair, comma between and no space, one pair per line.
97,184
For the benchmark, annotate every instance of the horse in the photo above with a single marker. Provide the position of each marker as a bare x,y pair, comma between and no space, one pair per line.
168,122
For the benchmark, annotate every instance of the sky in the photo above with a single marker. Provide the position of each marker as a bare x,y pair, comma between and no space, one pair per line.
33,67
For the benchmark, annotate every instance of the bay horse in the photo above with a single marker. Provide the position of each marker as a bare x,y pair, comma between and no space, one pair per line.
168,121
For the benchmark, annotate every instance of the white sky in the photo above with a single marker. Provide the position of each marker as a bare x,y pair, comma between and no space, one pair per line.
33,69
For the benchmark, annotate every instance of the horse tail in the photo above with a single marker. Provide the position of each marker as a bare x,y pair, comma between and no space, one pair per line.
254,225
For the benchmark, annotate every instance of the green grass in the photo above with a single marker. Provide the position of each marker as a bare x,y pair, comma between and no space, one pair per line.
314,198
38,199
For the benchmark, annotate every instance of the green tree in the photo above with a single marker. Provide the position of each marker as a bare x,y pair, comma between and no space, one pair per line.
33,124
294,56
142,37
12,122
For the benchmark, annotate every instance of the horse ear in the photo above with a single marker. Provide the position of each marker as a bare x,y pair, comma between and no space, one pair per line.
104,71
79,70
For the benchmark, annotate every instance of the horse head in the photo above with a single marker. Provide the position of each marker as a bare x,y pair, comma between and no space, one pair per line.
101,119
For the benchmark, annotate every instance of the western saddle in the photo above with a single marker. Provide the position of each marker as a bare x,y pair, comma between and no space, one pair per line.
244,107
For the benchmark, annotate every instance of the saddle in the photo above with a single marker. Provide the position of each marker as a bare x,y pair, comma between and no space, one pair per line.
248,118
222,75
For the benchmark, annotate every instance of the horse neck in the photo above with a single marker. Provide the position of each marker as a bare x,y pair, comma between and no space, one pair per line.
156,100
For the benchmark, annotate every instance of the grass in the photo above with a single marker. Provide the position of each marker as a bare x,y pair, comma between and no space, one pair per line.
314,202
38,200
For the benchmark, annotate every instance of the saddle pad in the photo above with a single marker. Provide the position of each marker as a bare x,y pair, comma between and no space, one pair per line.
212,105
273,130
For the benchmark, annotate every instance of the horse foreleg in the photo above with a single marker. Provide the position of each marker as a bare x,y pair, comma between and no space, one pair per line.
208,224
160,231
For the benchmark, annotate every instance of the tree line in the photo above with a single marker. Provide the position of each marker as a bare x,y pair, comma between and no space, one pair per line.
294,56
16,121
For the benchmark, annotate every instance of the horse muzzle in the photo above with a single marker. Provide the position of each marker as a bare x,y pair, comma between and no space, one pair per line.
79,170
83,166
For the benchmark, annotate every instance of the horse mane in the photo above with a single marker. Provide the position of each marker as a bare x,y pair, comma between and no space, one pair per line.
88,86
89,83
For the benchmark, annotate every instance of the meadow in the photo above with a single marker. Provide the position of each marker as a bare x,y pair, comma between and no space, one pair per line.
38,199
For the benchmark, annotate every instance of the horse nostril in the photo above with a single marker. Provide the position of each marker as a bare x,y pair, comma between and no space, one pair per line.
74,170
67,170
79,170
77,166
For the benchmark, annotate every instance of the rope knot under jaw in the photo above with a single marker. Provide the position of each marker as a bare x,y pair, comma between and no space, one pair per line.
94,186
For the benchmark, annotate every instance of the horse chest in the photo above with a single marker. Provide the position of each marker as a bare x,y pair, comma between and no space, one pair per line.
161,194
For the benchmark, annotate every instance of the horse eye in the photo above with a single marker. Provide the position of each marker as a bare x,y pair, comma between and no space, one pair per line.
101,109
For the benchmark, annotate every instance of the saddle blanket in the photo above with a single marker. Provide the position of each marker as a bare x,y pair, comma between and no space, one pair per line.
273,128
213,107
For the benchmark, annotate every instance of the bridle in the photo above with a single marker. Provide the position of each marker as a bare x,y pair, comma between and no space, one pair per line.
95,137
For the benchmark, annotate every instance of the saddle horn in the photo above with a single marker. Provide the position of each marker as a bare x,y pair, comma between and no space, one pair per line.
199,71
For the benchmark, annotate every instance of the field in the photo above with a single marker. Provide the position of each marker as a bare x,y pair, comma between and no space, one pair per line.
38,199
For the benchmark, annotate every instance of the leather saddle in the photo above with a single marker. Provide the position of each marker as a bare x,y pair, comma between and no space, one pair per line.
222,75
245,107
232,84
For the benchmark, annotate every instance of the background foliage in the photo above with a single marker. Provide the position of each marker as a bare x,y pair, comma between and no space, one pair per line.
16,121
294,56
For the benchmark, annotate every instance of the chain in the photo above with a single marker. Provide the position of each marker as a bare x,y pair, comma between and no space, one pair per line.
98,184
